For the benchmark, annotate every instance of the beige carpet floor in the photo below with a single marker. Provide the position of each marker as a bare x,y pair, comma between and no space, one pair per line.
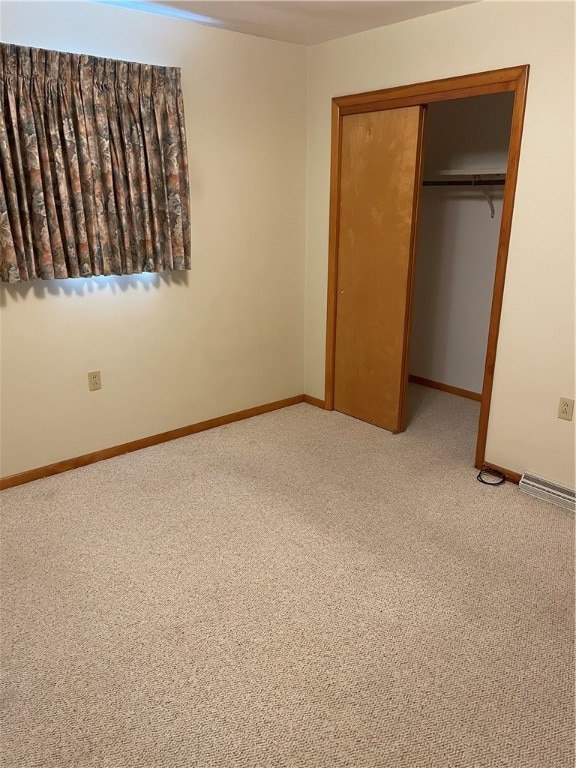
300,590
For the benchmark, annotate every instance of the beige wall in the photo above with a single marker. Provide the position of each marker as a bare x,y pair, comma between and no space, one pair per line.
535,364
455,262
173,349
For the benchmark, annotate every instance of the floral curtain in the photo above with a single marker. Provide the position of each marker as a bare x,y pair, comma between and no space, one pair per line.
93,167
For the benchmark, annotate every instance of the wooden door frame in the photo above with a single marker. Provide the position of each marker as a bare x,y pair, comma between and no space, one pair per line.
510,80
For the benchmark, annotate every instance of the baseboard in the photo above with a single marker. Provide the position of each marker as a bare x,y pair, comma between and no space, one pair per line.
145,442
315,401
513,477
446,388
174,434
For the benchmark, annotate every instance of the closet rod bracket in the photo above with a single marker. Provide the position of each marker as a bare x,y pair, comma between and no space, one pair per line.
486,194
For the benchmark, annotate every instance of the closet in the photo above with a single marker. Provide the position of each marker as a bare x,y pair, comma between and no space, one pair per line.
433,164
465,159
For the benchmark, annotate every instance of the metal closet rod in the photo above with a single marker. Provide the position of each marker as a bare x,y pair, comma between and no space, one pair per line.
466,183
475,182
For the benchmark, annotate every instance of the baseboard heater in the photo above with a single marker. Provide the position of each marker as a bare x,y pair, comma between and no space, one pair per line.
548,491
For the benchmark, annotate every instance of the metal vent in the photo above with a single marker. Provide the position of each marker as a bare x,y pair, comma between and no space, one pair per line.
548,491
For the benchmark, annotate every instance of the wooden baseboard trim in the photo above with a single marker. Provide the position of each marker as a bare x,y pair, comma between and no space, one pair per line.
145,442
315,401
446,388
513,477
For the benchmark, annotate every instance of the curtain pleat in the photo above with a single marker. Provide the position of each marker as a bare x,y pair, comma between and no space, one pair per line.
93,167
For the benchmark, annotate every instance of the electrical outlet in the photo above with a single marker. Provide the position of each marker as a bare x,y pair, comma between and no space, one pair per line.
566,408
94,381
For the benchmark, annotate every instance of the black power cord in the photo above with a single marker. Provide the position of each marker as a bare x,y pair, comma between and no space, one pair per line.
494,473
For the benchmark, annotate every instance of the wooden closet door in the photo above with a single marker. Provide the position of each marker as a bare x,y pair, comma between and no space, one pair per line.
380,181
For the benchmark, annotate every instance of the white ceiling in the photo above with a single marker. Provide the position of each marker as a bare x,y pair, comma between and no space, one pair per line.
305,22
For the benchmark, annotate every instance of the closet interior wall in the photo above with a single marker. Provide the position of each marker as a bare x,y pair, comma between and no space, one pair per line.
458,240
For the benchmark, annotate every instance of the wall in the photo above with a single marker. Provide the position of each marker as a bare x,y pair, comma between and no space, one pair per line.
535,364
468,134
458,241
455,263
181,348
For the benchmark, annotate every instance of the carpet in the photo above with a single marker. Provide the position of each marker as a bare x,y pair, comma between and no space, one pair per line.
297,590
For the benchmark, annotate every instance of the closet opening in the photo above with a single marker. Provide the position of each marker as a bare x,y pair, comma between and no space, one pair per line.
465,152
384,191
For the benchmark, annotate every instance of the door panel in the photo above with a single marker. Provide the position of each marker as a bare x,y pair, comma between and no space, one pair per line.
379,191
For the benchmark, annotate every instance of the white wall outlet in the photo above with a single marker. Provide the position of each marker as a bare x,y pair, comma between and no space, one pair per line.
94,380
566,408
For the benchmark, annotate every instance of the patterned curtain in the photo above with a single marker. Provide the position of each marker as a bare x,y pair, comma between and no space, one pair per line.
93,167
